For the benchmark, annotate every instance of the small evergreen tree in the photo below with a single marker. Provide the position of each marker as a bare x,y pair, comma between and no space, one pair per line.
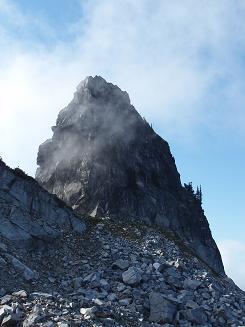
198,194
189,188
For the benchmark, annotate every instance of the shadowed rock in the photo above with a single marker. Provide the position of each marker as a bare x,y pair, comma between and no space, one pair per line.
28,213
105,159
161,310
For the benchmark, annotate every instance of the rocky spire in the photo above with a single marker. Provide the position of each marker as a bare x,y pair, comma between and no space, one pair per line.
104,159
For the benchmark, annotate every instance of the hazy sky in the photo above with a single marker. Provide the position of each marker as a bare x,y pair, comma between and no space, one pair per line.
182,63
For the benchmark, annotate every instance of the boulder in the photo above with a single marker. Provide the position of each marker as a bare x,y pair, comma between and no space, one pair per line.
4,310
88,313
19,266
197,316
34,317
162,310
132,276
192,284
20,294
121,264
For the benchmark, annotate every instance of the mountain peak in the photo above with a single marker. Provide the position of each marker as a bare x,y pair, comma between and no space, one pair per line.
94,100
98,87
104,159
91,82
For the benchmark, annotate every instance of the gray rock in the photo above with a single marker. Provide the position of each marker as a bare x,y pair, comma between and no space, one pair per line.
77,282
30,214
19,266
125,301
3,247
163,267
173,272
104,312
2,262
35,316
104,283
121,264
12,316
8,321
192,284
4,310
185,295
112,297
120,287
175,282
88,296
41,295
20,294
197,316
6,299
77,225
132,276
181,319
105,159
88,313
2,291
63,324
156,265
191,304
162,310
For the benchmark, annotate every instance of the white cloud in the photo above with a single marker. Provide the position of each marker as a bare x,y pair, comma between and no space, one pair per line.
8,9
172,58
232,252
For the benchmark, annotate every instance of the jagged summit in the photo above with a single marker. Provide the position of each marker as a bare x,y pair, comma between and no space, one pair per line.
98,87
104,159
95,94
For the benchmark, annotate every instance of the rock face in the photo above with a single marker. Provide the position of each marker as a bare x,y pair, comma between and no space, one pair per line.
29,214
104,159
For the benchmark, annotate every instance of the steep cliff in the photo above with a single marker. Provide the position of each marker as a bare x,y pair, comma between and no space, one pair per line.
28,213
104,159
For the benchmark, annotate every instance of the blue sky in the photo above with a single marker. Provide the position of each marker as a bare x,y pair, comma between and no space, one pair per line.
182,63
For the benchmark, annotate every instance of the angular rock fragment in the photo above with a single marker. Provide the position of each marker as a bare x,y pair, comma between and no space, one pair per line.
162,310
192,284
35,316
121,264
132,276
28,274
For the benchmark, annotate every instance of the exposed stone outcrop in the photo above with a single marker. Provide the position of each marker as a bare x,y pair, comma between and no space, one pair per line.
106,160
81,281
28,213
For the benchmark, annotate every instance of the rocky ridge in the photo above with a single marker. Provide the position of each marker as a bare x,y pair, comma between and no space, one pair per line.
105,159
28,213
117,276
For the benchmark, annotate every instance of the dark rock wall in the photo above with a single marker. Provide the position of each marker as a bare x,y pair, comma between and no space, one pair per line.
28,213
105,159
